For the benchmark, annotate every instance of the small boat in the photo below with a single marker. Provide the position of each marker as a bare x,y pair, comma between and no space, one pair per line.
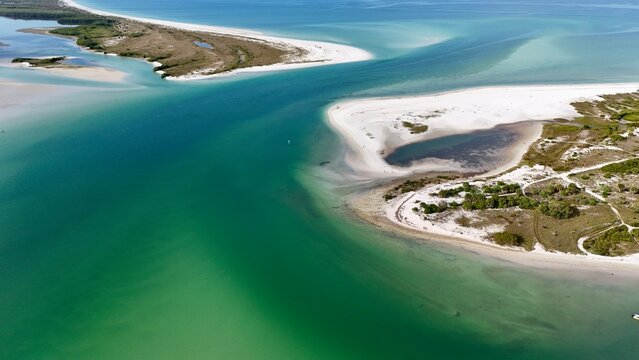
635,316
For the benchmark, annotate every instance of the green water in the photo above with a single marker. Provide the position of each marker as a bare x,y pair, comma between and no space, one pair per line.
173,221
130,233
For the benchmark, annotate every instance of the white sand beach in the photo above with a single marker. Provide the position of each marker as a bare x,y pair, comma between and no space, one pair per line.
372,128
318,53
371,207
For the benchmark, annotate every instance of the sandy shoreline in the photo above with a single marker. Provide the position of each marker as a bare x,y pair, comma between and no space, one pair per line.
318,53
366,206
92,73
371,128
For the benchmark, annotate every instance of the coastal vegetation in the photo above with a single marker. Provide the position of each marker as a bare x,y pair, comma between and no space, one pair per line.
45,10
505,238
415,128
613,242
87,35
600,133
578,184
625,168
558,209
40,62
504,196
416,184
177,50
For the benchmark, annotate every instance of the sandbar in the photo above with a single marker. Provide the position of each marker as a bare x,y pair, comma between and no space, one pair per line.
88,73
91,73
372,128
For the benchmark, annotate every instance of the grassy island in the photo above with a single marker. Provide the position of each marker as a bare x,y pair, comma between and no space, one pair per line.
40,62
176,50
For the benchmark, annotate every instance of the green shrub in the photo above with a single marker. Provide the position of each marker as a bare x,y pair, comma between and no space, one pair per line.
624,168
571,189
85,41
558,209
609,243
463,221
446,193
432,208
415,128
506,238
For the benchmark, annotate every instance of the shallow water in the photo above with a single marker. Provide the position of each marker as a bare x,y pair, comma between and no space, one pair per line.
163,220
477,151
203,45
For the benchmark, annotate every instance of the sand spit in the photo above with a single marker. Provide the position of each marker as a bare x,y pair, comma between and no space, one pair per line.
88,73
372,128
317,53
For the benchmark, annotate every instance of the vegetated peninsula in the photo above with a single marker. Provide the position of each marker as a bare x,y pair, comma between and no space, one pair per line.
572,188
180,51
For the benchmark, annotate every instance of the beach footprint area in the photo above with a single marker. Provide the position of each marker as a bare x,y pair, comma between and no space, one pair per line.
147,218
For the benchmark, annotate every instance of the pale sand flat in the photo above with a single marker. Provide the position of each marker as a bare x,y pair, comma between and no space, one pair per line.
91,73
372,128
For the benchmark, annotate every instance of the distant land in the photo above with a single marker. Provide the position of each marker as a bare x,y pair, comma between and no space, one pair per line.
178,51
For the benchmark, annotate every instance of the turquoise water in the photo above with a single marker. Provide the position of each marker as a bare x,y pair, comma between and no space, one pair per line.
22,44
157,220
